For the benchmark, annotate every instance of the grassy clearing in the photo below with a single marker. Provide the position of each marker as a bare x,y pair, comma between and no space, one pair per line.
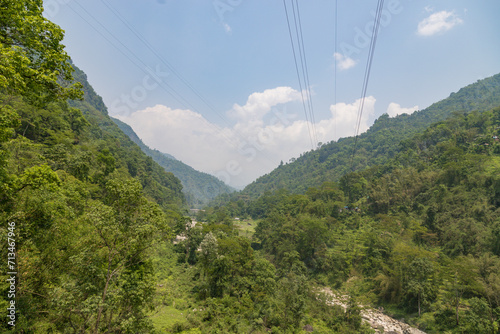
173,302
246,227
166,317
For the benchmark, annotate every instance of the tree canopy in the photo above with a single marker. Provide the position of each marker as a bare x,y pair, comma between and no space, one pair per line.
33,62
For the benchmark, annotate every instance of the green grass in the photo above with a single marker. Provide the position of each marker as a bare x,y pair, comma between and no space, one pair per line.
165,317
173,301
246,227
492,166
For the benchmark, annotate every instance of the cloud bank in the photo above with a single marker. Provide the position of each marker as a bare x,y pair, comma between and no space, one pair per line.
265,131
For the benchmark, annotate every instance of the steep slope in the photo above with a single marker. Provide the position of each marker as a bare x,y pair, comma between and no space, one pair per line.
84,206
375,146
199,188
135,138
154,179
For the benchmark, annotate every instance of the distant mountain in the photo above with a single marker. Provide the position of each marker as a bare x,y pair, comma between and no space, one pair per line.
380,143
135,138
159,185
199,187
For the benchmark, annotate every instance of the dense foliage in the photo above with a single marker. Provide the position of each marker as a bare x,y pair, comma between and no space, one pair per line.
199,188
419,234
86,211
32,58
91,218
82,205
221,284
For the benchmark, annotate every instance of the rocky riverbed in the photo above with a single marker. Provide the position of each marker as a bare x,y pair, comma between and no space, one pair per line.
379,321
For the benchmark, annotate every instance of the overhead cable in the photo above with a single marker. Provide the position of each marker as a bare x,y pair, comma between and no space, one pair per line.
364,88
298,75
305,72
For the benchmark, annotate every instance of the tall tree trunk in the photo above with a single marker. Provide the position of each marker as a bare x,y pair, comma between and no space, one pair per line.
419,305
458,295
99,312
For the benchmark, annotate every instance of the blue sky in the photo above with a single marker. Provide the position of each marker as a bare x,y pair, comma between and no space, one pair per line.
214,82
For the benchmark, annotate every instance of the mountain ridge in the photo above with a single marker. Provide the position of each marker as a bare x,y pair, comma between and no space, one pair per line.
199,187
378,143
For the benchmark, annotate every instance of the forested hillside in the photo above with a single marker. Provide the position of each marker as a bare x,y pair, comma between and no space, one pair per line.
94,239
159,184
73,184
199,188
418,235
82,207
379,143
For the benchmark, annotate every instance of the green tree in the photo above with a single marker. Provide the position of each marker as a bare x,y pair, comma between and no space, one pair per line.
464,280
230,272
123,230
9,120
419,282
354,186
477,318
290,307
33,62
208,250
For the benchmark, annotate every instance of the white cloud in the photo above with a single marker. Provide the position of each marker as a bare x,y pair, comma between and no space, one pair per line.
258,104
345,116
266,131
227,28
395,109
185,134
344,62
438,22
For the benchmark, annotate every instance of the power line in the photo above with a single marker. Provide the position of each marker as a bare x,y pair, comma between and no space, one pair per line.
178,75
364,88
298,73
305,72
163,60
335,70
170,89
166,87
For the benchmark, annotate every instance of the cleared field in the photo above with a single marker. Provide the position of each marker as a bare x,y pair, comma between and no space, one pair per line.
246,227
